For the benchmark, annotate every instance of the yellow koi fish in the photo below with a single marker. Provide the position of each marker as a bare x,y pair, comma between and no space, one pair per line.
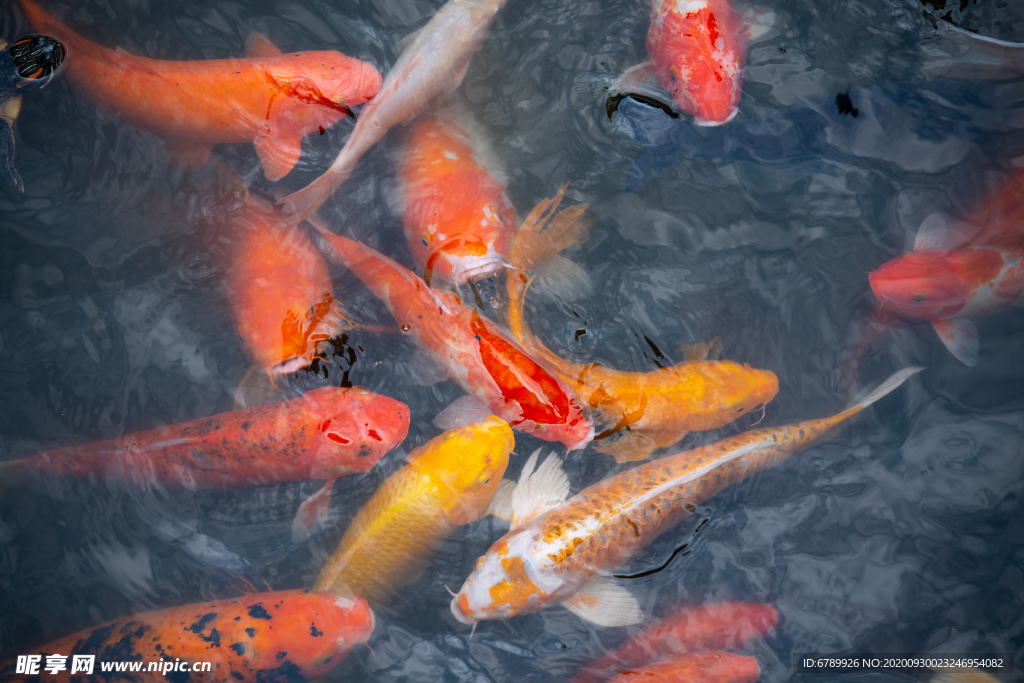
449,481
652,409
561,552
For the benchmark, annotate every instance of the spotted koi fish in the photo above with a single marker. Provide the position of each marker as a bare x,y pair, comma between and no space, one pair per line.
715,626
959,272
697,667
268,98
650,409
560,551
291,635
476,354
325,434
448,481
698,50
458,220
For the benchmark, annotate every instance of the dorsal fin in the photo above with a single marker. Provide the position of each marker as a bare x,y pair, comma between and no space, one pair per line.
258,45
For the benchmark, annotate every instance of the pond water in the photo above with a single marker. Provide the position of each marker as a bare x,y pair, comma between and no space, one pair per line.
903,532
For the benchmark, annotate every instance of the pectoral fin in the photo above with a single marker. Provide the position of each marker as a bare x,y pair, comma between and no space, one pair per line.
603,602
702,351
960,336
539,489
278,155
637,444
759,23
641,81
463,411
258,45
312,513
460,75
501,504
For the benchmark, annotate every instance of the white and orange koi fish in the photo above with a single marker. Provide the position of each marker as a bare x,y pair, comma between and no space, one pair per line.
561,551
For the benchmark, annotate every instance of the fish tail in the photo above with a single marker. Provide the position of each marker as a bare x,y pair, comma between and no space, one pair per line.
881,391
301,205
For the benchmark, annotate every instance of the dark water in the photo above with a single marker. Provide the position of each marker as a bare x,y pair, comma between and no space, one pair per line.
902,533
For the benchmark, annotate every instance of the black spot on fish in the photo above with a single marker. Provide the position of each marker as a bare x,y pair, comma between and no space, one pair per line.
251,631
238,675
845,104
281,655
257,612
200,626
313,632
286,673
238,647
238,618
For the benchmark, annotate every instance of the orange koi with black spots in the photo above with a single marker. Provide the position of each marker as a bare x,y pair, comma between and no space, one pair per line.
290,635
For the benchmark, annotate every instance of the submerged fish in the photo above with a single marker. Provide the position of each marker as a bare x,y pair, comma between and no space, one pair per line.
268,98
563,554
955,273
29,64
278,289
458,220
698,50
291,635
715,626
325,434
449,481
435,59
698,667
654,409
476,354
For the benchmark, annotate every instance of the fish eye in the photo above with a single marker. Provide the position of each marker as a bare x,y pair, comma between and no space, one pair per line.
919,297
484,480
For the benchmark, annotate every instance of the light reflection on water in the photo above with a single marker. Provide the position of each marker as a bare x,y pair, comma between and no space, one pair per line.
900,534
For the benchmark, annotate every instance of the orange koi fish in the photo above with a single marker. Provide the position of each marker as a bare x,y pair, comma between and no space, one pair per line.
325,434
955,273
269,98
435,59
716,626
476,354
699,667
698,50
279,290
291,635
563,554
449,481
655,408
458,220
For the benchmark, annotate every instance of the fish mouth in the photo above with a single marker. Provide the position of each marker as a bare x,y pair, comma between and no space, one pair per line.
458,614
711,124
582,443
466,269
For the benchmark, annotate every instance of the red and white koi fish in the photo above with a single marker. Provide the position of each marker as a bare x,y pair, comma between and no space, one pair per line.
715,626
697,667
960,272
291,635
698,50
325,434
458,220
269,98
476,354
562,551
436,59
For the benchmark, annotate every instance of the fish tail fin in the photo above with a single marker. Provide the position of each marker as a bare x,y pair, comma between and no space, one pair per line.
543,233
300,206
883,389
